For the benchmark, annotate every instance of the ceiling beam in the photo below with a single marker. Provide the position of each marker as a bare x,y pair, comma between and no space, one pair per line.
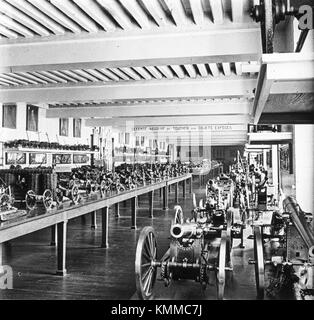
133,90
128,50
149,109
283,71
169,121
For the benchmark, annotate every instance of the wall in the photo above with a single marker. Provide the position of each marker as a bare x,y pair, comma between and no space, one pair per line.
48,129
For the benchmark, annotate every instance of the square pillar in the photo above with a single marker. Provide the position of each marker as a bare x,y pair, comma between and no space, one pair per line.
151,203
1,257
275,170
94,220
117,210
134,211
176,192
183,188
53,240
104,227
61,248
304,166
165,198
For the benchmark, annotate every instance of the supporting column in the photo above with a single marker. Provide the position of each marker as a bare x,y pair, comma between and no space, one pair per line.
265,159
53,241
134,209
61,248
304,166
275,170
160,192
117,209
184,188
1,257
94,220
176,192
165,198
191,185
104,227
151,203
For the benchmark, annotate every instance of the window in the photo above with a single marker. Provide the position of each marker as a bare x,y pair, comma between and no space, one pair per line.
142,141
9,116
137,141
127,138
64,127
121,136
77,123
32,118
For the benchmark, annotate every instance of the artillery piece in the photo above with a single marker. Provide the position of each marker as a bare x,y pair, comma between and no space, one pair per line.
219,198
283,242
50,199
193,252
46,198
67,189
89,180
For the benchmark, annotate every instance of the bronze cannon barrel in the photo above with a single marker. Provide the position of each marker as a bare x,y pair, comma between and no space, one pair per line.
185,230
291,206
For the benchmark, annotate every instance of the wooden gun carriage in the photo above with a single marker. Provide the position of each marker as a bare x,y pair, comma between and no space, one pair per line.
284,242
197,247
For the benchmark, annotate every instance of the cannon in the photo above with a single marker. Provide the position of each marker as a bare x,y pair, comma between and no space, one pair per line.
67,189
89,180
192,254
46,198
284,243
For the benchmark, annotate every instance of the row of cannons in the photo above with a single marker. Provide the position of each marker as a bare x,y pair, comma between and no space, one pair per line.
48,189
283,249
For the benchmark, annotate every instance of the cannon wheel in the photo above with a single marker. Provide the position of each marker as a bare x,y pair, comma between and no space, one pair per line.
48,199
75,197
178,215
222,261
5,200
30,199
259,262
230,221
59,196
145,272
103,188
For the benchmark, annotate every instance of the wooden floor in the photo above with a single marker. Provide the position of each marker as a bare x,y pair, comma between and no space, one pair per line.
98,273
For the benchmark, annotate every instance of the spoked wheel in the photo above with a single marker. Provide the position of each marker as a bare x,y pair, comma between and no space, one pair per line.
229,232
222,263
75,194
5,201
30,199
103,188
178,215
88,187
145,271
48,199
259,262
59,196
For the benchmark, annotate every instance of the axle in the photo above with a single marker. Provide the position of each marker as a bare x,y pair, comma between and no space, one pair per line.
186,265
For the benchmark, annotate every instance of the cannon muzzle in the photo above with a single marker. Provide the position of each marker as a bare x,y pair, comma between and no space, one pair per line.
211,202
185,230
